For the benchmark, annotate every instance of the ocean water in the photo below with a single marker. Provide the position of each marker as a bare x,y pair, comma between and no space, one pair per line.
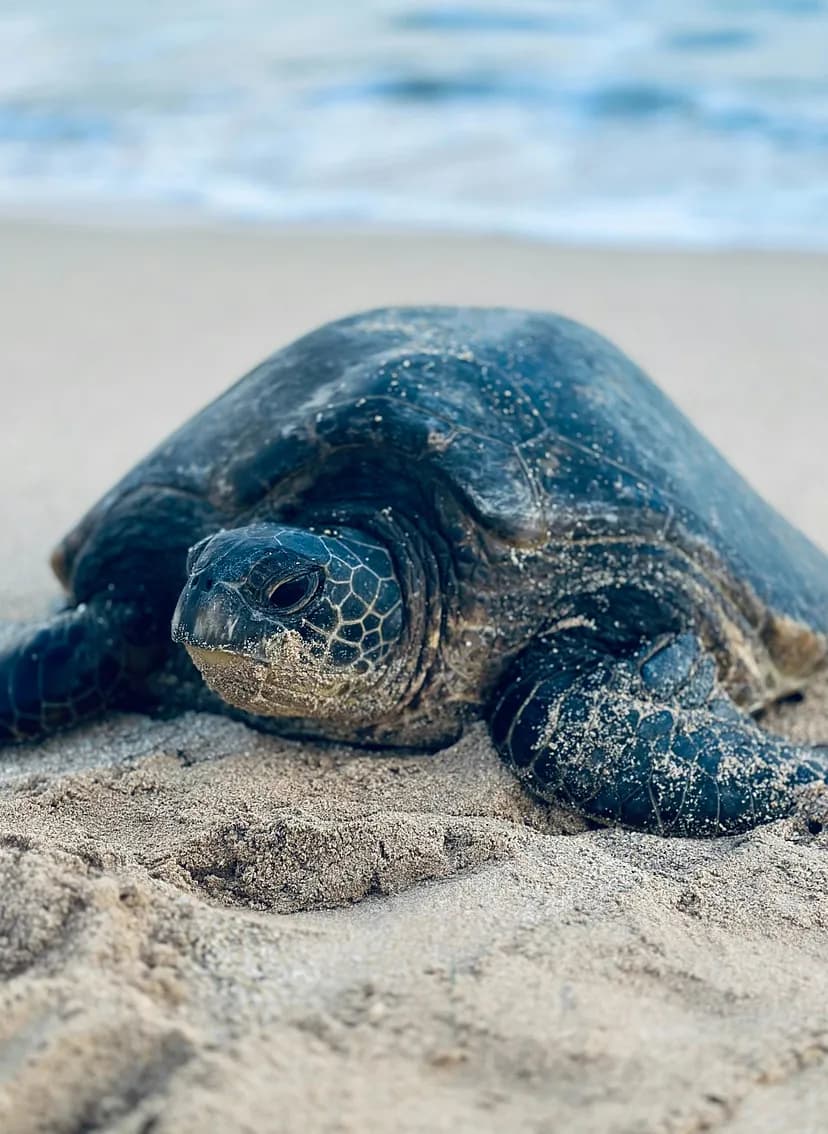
664,121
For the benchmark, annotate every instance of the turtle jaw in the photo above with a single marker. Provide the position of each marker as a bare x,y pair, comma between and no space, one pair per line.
292,682
238,680
226,674
218,660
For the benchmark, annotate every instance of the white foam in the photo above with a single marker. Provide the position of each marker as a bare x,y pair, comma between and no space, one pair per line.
561,121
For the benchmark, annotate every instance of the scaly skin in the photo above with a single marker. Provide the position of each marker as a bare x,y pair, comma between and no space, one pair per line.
644,738
70,669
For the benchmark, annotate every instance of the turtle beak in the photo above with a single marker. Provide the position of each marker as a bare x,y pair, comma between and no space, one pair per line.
208,616
213,616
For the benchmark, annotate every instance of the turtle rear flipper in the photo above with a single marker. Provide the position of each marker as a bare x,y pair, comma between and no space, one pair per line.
71,668
644,739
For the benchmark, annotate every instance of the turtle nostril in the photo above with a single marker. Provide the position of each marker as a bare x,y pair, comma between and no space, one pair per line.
207,584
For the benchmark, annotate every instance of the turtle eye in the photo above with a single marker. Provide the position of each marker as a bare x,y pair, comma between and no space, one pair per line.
289,596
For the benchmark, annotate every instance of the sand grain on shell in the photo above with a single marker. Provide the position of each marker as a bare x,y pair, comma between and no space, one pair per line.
206,929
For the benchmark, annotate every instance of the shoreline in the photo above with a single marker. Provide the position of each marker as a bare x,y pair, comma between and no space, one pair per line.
111,216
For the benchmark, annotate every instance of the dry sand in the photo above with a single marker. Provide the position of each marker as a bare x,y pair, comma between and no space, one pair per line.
204,929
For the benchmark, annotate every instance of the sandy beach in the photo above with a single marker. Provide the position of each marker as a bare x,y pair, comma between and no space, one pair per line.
206,929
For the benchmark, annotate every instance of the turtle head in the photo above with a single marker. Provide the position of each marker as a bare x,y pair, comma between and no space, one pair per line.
284,621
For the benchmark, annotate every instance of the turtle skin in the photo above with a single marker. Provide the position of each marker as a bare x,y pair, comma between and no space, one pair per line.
602,586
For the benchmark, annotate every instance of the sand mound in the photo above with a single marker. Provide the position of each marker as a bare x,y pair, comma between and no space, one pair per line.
205,928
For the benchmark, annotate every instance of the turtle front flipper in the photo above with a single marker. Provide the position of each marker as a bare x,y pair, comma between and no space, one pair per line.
646,739
71,668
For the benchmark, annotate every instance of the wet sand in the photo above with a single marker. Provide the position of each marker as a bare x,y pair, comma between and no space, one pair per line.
206,929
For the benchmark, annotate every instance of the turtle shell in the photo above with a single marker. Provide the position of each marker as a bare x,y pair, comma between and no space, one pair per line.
543,429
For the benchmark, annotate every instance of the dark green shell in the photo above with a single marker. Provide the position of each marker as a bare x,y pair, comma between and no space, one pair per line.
546,430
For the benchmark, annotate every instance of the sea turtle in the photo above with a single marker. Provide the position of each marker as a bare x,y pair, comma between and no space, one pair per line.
416,517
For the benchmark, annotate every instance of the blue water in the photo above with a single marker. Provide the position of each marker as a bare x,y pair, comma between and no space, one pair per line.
665,121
